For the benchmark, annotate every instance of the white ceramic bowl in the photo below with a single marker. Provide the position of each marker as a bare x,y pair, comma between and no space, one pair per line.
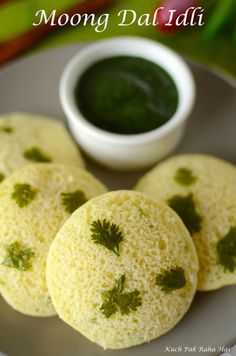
128,152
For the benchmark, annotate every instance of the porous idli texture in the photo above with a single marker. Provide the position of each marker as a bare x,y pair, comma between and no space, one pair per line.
28,138
122,270
202,190
34,203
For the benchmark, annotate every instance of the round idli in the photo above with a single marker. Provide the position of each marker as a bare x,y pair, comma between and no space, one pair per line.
202,190
34,203
27,138
122,270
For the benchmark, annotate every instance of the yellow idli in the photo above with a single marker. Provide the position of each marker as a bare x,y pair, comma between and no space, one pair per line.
34,203
122,270
28,138
202,190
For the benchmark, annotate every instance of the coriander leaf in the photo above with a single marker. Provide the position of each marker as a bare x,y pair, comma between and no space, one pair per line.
7,129
18,257
23,194
226,249
129,301
73,201
114,300
119,284
49,300
2,177
171,279
184,176
35,155
185,208
106,234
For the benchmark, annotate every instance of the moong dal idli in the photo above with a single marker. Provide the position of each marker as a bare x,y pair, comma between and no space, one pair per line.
28,138
34,204
122,270
202,190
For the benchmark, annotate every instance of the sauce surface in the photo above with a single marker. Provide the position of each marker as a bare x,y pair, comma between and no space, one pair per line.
126,95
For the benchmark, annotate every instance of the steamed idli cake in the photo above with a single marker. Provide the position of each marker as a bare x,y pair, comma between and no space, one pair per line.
122,270
34,204
27,138
202,190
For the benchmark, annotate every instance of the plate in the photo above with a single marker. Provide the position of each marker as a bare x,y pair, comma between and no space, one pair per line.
31,85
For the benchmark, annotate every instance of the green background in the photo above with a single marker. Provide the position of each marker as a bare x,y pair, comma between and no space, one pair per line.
218,51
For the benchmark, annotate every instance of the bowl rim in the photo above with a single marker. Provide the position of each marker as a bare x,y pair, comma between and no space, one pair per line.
70,75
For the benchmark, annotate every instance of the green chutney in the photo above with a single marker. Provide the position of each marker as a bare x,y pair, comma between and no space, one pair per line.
126,95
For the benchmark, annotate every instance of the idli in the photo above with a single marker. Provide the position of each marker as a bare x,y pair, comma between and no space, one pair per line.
122,270
202,190
27,138
34,203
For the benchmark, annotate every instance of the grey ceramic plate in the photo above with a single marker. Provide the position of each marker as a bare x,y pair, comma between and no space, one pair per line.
31,85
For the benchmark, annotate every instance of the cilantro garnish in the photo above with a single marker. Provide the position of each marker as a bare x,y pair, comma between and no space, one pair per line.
49,300
114,300
184,206
6,129
226,249
171,280
35,155
23,194
106,234
73,201
185,176
18,257
2,177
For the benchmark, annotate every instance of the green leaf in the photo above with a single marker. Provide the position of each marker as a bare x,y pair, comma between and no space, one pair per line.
184,206
73,201
171,279
2,177
106,234
7,129
23,194
185,176
18,257
116,301
226,249
34,154
49,300
223,15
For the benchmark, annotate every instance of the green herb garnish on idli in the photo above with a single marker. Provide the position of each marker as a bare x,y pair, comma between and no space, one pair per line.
122,270
33,208
202,191
28,138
